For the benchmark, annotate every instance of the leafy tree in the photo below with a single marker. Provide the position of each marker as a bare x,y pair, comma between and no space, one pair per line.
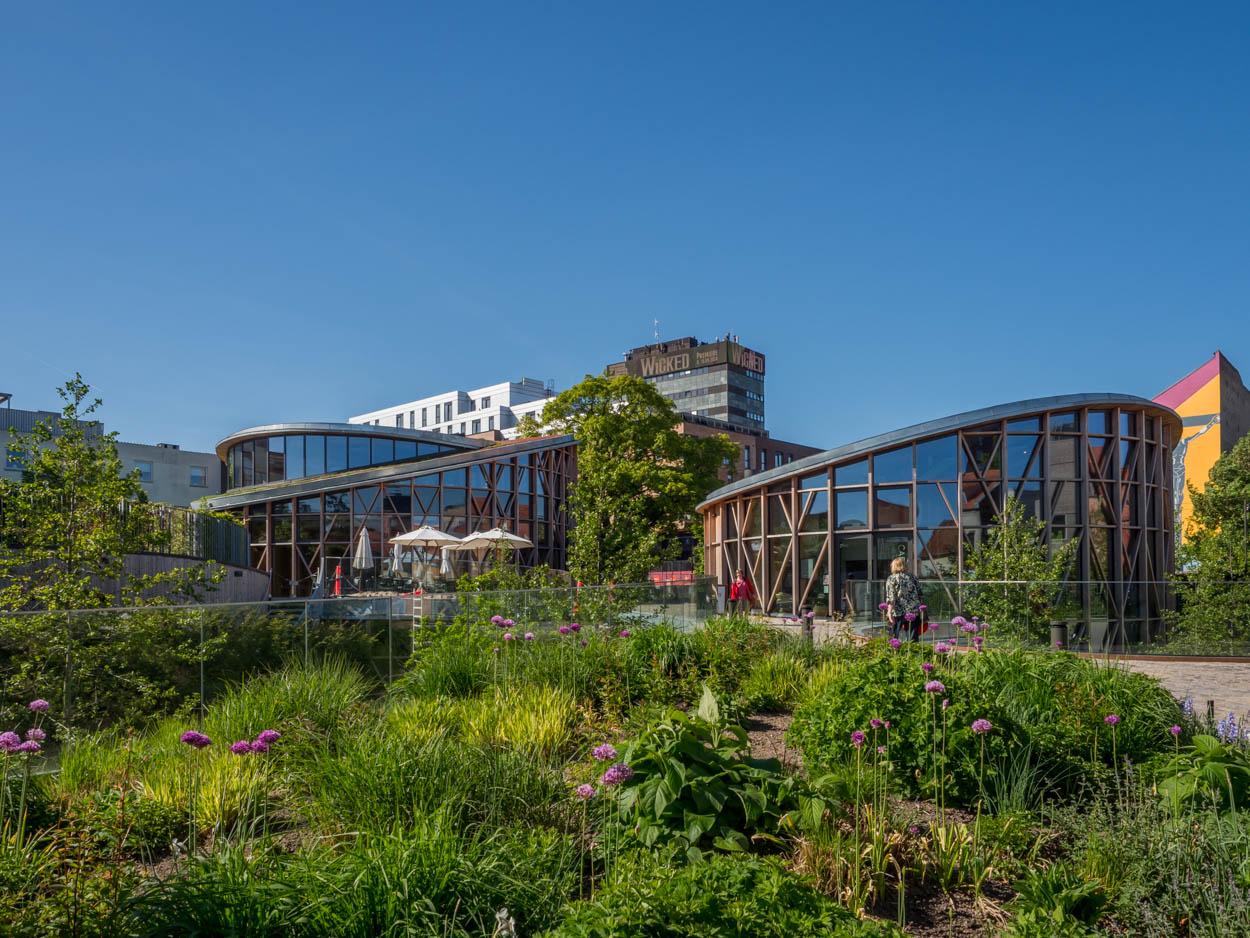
529,426
1014,551
638,479
1213,589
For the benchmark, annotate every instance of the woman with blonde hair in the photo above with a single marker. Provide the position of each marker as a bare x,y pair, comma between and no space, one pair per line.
902,596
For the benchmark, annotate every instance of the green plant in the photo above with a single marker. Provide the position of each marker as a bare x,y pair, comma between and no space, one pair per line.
1207,771
722,897
1058,902
774,682
693,785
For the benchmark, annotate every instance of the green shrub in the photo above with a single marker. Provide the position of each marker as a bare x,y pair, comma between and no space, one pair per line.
1055,903
775,682
722,897
1207,772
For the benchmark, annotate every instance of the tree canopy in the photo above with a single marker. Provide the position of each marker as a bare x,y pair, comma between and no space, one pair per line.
638,479
1213,587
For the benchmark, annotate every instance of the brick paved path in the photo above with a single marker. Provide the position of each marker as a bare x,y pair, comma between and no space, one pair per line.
1225,682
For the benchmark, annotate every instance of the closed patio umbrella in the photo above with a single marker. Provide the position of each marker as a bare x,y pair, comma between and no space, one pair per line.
362,558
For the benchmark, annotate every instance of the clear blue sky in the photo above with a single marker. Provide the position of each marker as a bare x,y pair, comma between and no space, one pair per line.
224,215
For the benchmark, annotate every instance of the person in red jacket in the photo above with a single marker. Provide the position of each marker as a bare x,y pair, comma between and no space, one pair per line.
741,594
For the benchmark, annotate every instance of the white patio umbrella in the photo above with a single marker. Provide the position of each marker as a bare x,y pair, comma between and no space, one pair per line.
495,537
362,558
426,536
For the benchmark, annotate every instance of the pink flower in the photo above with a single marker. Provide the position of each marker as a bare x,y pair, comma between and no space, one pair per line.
935,687
624,633
895,643
509,623
982,726
496,620
880,750
875,723
942,648
616,775
573,626
36,734
564,630
605,752
969,628
583,643
9,741
529,636
241,747
857,738
507,636
1175,730
29,746
495,649
883,606
923,607
1111,720
1058,644
945,703
40,705
260,746
268,737
927,666
887,724
585,791
959,621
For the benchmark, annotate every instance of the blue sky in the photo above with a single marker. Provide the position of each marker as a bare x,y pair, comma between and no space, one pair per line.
225,216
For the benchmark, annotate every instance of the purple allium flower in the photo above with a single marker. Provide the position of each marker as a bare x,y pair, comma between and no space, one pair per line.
564,630
913,829
605,752
241,748
1058,644
959,621
910,617
269,737
507,636
857,738
976,618
887,724
9,741
895,643
969,628
529,636
982,726
941,648
509,623
977,639
496,620
259,746
927,666
1174,730
495,649
883,606
29,746
624,633
875,723
195,740
616,775
880,750
585,792
1111,720
945,703
935,687
809,615
573,626
584,643
40,705
36,734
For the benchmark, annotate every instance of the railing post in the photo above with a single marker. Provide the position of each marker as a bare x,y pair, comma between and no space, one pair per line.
202,703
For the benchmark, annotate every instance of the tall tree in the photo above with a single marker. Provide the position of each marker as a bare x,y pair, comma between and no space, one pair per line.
1213,585
67,525
1025,580
638,479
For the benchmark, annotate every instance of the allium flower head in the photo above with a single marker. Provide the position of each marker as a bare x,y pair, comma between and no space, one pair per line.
529,636
605,752
880,750
30,746
9,741
564,630
268,737
1058,644
887,724
895,643
36,734
913,829
982,726
945,703
584,643
509,623
624,633
40,705
507,636
616,775
977,639
883,606
260,746
585,792
241,747
1174,730
1112,720
910,617
857,738
809,615
496,620
195,740
927,666
969,628
941,647
935,687
574,627
875,723
959,621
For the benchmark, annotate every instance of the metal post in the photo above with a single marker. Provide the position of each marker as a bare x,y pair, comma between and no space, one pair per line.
202,704
306,649
390,631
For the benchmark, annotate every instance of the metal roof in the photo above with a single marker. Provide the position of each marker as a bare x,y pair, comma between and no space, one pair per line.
935,428
349,429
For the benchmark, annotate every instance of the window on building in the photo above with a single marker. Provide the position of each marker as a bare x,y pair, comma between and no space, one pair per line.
462,428
763,459
485,402
399,420
447,411
145,469
199,477
779,459
14,459
423,416
412,420
746,457
490,423
477,426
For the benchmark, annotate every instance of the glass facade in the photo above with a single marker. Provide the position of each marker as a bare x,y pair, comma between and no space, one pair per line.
1097,473
303,528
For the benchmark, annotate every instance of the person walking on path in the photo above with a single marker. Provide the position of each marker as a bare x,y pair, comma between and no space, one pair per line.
902,596
741,594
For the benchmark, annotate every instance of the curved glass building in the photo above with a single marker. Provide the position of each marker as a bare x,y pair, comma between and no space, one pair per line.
307,490
819,534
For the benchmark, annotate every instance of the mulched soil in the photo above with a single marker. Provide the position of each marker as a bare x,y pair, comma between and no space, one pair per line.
767,733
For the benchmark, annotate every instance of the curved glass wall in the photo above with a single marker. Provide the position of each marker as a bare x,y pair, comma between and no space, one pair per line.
822,538
289,456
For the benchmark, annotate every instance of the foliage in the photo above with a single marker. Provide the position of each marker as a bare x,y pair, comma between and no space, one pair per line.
68,524
1213,589
1014,550
694,786
532,718
1207,771
774,683
639,480
722,897
1056,902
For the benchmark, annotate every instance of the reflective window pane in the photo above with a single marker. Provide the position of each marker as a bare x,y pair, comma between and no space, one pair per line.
855,473
357,452
336,453
260,461
295,457
1099,421
383,452
1021,451
853,509
932,510
893,507
405,450
817,517
1065,423
277,459
938,460
1025,425
338,502
1029,495
314,455
365,500
937,553
890,546
778,519
1128,424
454,477
1063,457
894,466
310,505
982,453
817,481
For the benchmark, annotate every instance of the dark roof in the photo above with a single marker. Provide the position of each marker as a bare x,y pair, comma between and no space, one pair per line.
935,428
348,429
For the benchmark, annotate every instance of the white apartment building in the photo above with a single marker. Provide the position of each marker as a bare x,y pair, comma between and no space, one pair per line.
496,407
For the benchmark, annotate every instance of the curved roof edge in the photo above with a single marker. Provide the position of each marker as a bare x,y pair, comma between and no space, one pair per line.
378,474
356,429
931,428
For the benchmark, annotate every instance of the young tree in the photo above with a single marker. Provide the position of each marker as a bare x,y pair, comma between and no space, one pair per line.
1213,587
1014,551
638,479
68,524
